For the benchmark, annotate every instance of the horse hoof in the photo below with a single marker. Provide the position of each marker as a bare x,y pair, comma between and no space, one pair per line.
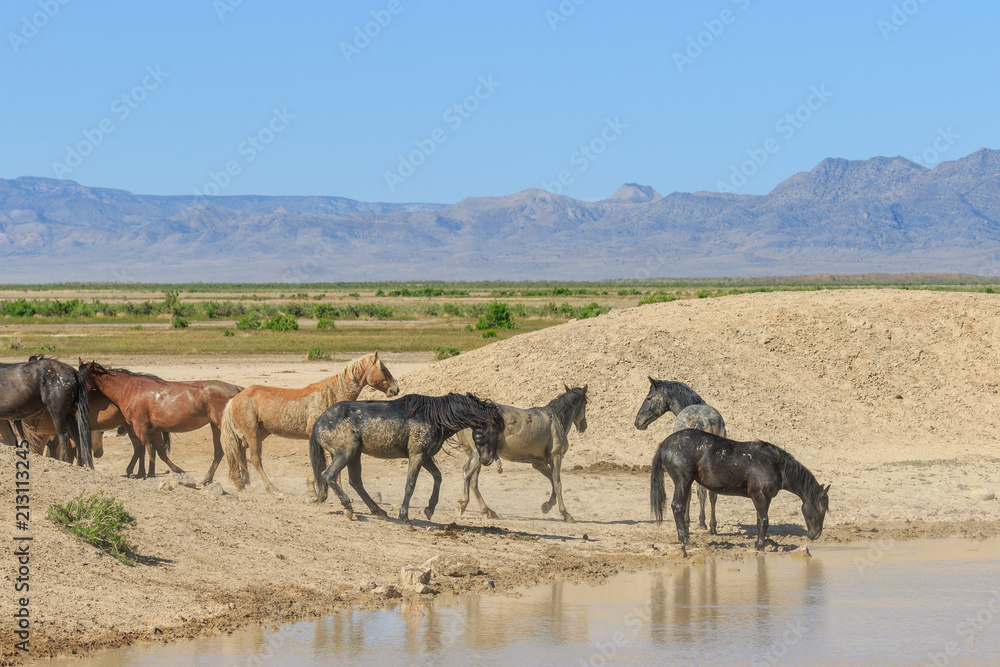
490,514
428,512
568,519
460,510
349,513
546,507
713,531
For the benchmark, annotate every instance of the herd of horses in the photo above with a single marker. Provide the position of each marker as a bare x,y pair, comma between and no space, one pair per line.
53,408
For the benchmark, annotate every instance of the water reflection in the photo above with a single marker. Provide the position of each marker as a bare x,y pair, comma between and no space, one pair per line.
753,610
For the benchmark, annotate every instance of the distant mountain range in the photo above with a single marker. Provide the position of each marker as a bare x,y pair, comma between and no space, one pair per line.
844,216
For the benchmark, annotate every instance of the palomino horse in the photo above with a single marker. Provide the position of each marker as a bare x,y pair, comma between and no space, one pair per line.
412,427
47,386
692,412
536,436
755,470
260,411
152,406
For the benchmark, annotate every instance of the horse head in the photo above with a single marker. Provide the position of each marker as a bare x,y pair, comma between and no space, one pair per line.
580,407
487,437
814,510
379,377
652,408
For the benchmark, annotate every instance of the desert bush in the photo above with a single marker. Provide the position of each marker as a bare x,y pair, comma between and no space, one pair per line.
179,323
446,352
497,316
281,322
325,323
248,322
316,354
99,520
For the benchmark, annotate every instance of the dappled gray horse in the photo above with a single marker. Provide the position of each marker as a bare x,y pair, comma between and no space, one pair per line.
691,412
536,436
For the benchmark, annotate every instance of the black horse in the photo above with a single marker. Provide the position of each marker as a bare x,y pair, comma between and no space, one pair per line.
28,389
691,412
755,470
412,427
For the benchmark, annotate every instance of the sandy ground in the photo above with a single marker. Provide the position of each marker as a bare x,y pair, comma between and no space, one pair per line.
889,395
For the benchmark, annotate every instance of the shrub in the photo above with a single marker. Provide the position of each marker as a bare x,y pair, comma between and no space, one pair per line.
137,327
316,354
100,520
248,322
489,333
446,352
172,301
227,334
497,316
989,290
658,298
592,310
282,322
468,327
179,323
325,323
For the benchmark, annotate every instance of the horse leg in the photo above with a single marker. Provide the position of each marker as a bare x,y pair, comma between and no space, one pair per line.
761,503
161,448
557,485
62,432
682,498
712,525
216,455
546,470
702,501
138,456
332,474
474,481
416,462
354,475
463,502
432,468
254,450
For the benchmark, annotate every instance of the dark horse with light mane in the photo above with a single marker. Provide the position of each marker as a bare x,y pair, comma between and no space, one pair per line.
49,386
412,427
755,470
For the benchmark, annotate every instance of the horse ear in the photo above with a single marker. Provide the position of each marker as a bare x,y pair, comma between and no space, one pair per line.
376,354
565,386
585,388
651,380
827,489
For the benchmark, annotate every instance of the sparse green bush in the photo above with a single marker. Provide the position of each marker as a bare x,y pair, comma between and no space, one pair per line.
282,322
469,327
446,352
497,316
316,354
99,520
227,334
137,327
325,323
179,323
248,322
489,333
592,310
658,298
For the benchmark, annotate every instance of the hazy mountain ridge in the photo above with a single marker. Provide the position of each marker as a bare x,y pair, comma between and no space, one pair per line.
881,214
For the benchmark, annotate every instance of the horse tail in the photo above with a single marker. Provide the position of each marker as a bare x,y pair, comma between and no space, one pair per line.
657,494
85,455
234,444
317,457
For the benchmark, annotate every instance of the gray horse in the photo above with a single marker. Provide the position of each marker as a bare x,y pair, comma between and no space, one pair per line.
536,436
691,412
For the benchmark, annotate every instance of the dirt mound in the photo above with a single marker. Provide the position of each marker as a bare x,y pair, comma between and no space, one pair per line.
897,374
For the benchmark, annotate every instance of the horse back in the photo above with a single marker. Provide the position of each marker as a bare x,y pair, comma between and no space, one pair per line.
702,417
722,465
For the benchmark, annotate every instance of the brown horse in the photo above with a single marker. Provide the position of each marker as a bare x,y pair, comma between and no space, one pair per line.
153,406
260,411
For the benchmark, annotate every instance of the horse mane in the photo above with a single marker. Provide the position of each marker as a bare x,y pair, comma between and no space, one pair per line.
337,385
565,400
454,412
681,393
797,478
125,371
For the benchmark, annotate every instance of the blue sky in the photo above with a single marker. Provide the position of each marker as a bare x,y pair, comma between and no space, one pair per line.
444,100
